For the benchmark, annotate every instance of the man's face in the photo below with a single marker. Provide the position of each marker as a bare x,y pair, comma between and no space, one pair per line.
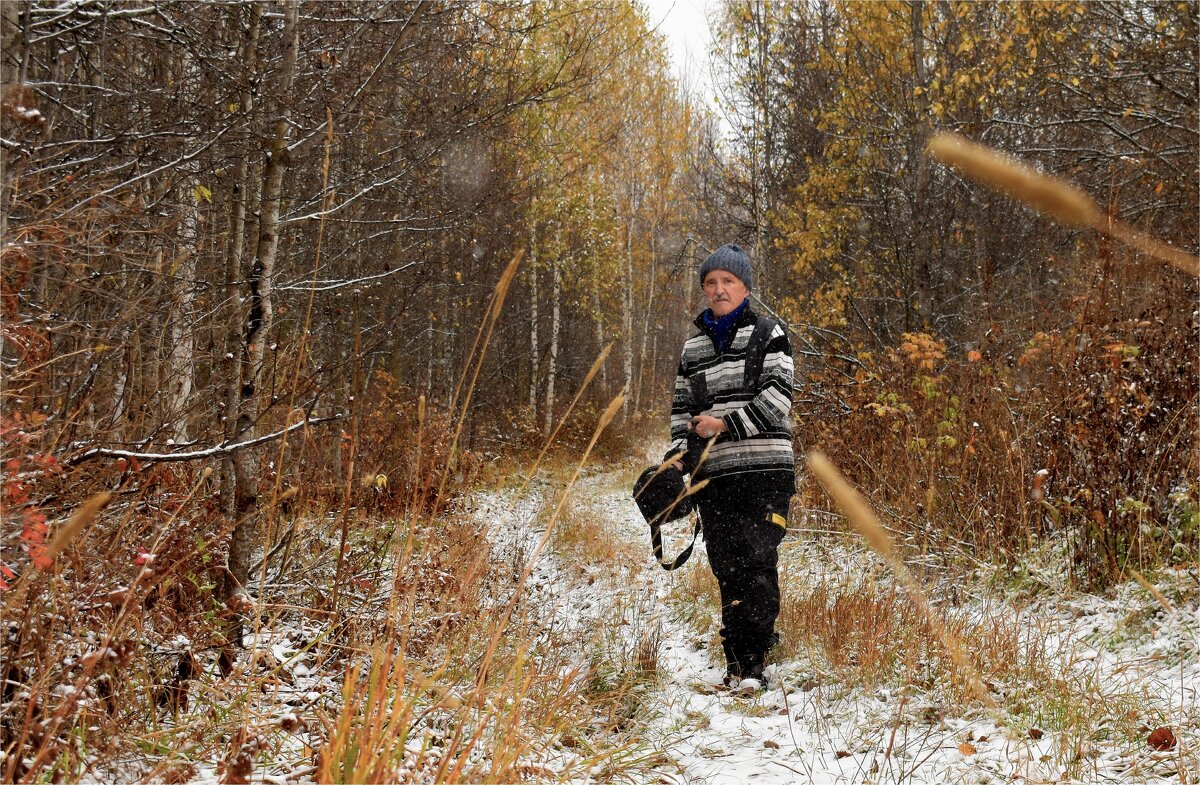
724,291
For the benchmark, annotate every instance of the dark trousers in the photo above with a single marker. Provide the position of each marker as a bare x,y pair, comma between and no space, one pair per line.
743,549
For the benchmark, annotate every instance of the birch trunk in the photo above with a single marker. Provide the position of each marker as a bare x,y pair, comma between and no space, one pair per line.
260,318
181,371
121,384
534,349
627,322
555,326
235,262
652,278
597,300
181,365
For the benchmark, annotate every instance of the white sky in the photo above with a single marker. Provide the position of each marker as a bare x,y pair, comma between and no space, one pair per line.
685,25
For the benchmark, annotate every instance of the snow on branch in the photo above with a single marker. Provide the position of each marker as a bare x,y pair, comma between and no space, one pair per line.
326,286
223,448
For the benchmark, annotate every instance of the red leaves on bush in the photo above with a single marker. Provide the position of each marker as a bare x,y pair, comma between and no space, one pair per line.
34,532
21,474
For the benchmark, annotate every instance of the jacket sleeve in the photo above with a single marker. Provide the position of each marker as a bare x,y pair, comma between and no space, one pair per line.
681,412
771,408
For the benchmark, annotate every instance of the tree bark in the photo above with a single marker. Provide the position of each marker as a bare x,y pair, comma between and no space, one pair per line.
12,47
235,256
534,348
918,137
555,327
627,325
597,299
652,287
260,317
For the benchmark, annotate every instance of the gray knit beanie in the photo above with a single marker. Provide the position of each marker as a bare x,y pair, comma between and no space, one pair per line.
730,258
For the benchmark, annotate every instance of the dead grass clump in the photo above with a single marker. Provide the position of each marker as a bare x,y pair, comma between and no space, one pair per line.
647,651
872,634
584,535
698,596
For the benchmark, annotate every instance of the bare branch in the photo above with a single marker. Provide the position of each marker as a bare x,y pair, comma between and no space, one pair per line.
224,448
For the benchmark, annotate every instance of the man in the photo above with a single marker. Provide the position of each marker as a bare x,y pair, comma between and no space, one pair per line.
750,466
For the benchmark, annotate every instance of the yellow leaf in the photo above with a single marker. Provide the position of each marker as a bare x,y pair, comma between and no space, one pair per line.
202,194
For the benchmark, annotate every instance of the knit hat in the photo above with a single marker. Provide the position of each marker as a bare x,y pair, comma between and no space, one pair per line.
730,258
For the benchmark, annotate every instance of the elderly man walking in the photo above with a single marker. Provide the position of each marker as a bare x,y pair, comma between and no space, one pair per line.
734,383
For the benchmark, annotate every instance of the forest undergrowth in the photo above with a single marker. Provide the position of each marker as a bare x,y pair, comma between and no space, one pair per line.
412,656
377,590
117,662
1079,429
255,372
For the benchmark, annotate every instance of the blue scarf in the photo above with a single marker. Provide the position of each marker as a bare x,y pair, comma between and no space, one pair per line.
722,328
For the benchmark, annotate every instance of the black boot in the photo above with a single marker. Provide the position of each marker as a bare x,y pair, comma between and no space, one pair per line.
752,668
733,674
733,668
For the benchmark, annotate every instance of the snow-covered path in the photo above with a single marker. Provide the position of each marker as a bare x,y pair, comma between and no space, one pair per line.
808,727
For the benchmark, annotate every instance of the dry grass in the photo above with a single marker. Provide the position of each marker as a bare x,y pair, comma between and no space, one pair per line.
863,633
869,632
863,519
585,535
422,607
697,596
116,667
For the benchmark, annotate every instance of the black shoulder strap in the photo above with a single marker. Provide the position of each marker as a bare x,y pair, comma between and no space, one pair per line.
656,541
756,350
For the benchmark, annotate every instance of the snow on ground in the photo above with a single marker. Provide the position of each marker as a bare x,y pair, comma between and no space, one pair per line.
806,727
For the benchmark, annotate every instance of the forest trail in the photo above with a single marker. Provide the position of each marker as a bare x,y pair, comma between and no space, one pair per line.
289,289
810,725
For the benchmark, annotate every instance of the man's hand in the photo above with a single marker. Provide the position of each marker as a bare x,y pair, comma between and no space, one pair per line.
706,427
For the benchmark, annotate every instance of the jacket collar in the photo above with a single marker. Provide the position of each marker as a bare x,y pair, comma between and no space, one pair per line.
748,317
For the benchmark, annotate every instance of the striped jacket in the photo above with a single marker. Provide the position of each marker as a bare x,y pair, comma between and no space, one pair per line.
758,435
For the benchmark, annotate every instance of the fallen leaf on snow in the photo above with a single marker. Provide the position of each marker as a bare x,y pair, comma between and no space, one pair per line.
1161,739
